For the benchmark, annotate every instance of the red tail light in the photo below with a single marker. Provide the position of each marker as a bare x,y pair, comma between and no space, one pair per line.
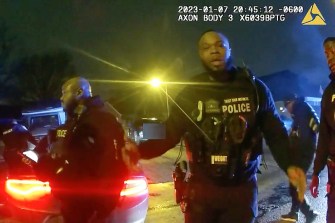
135,186
31,189
27,189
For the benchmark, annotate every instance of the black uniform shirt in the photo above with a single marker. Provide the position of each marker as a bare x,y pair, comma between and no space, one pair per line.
326,142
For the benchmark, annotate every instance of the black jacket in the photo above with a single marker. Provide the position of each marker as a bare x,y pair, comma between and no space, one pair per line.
326,142
91,145
95,142
303,136
266,120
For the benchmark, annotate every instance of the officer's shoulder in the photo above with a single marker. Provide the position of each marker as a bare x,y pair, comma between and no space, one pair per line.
101,116
330,89
328,92
301,104
260,84
188,89
246,73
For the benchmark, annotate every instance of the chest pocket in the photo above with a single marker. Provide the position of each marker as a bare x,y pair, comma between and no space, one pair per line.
217,105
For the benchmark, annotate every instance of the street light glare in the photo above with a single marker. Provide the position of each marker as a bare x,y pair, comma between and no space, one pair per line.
155,82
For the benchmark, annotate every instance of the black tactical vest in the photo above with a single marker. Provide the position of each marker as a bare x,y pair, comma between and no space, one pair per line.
224,118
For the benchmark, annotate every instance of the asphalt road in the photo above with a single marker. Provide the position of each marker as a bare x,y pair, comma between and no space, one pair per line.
274,199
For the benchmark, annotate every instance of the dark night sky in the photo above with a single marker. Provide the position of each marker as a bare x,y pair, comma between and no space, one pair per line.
145,35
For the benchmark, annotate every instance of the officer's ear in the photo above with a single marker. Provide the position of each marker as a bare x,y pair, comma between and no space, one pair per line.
228,52
79,93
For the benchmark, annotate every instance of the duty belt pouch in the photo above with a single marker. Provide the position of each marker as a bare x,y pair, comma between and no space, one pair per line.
225,158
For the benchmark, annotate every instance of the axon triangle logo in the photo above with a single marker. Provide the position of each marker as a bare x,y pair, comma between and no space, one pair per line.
314,17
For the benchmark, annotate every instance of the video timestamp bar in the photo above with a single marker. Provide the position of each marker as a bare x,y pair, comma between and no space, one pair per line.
250,13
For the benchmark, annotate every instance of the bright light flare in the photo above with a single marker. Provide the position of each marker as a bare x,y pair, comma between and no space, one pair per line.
155,82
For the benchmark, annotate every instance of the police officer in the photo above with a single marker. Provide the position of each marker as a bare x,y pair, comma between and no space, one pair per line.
85,167
325,153
303,136
15,138
221,115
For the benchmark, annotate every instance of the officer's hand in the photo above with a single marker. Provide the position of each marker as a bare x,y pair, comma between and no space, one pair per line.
45,168
314,186
131,155
297,178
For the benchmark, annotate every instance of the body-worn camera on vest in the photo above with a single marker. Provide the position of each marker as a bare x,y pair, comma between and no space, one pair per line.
220,150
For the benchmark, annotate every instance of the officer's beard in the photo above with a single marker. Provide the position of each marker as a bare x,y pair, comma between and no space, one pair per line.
223,74
70,108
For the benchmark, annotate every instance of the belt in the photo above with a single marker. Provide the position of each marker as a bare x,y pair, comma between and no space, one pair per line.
204,178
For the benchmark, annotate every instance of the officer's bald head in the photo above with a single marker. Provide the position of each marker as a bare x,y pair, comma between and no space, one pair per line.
74,91
79,84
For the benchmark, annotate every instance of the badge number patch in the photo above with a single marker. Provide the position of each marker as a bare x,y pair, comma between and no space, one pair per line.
219,159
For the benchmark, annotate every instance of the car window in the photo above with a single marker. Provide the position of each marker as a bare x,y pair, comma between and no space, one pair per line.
24,121
284,118
46,121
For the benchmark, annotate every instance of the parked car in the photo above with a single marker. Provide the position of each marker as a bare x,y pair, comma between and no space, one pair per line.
39,121
31,201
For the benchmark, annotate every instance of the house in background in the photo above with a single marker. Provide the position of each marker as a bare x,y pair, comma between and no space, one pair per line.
284,82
